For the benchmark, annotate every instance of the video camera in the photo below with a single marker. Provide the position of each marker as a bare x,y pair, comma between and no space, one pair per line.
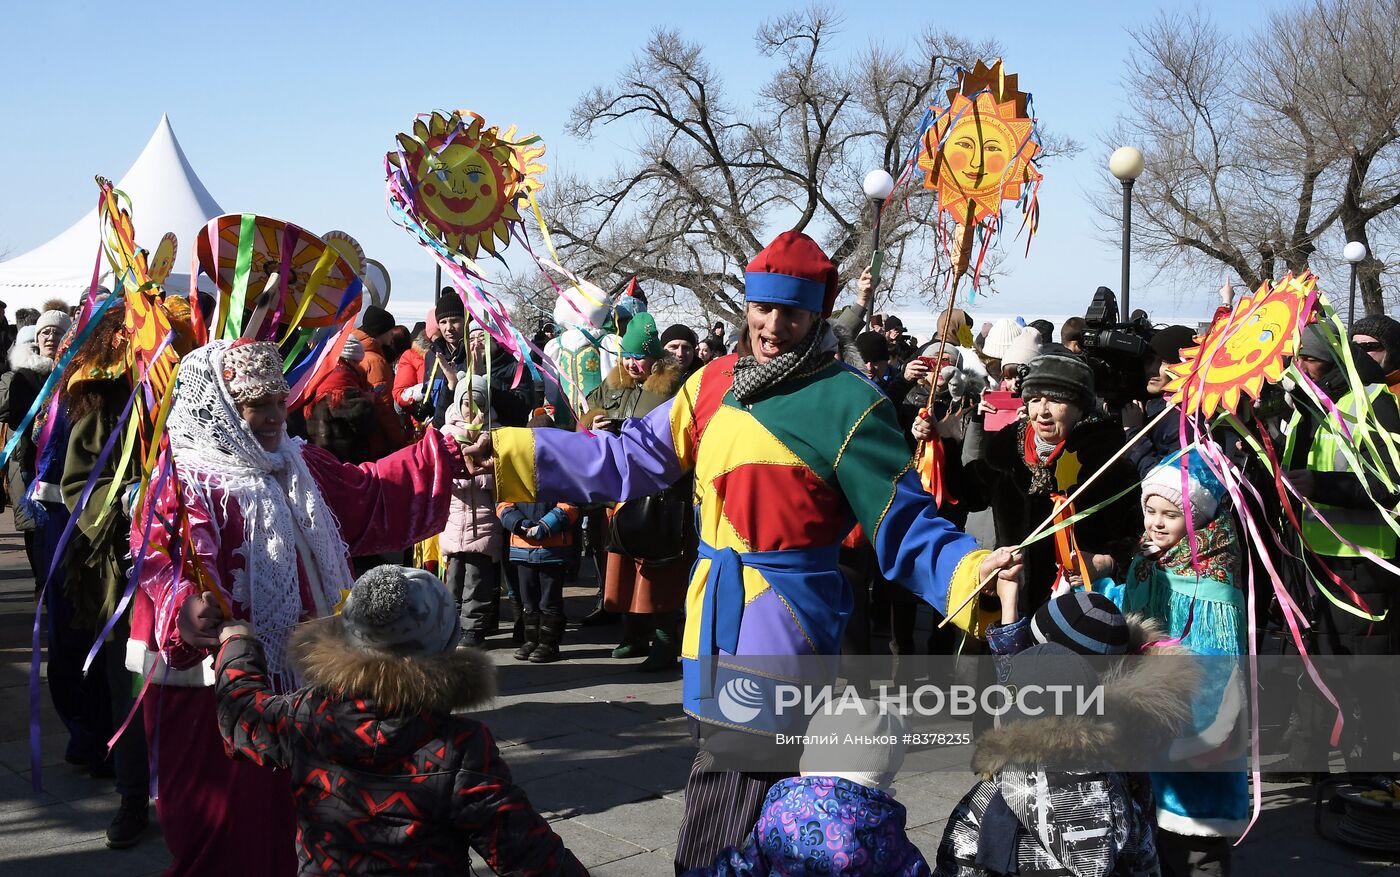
1117,351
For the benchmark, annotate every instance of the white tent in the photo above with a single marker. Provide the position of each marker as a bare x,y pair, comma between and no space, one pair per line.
166,195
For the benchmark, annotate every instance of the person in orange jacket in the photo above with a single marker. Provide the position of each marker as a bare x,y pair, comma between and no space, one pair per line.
375,328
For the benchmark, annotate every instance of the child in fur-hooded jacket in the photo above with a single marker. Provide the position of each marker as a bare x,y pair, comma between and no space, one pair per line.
1060,791
386,777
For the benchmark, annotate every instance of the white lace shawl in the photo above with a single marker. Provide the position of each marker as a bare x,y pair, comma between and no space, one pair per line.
215,450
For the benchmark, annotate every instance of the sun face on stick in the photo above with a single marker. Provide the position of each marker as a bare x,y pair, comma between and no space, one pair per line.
980,150
1240,353
464,179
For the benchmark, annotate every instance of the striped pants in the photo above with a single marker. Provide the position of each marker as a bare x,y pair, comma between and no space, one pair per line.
721,808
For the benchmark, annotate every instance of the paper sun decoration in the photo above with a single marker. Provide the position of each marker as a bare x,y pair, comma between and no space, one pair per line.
458,186
977,153
139,280
1240,353
464,180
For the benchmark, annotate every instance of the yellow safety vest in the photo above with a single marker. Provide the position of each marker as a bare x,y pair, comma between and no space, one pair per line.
1366,528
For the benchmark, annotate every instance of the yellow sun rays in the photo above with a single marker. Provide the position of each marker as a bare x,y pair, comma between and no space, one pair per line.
467,178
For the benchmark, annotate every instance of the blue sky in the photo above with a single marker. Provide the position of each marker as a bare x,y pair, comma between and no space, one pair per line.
287,108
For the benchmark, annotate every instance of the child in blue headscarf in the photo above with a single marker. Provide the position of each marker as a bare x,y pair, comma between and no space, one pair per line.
1196,597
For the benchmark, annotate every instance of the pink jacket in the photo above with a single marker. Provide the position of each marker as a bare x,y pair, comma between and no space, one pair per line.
380,506
472,524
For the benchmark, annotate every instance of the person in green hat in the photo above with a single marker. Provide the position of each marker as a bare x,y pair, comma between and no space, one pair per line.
650,553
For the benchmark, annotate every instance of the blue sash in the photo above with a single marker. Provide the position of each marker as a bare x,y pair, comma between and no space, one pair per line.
721,617
724,586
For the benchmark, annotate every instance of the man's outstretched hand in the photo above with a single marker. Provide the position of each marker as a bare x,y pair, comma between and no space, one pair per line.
1006,563
477,454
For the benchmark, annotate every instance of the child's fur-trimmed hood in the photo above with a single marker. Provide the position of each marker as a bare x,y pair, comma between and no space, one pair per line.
1147,702
450,681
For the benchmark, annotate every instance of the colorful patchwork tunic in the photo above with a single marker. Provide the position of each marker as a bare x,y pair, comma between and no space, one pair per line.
779,484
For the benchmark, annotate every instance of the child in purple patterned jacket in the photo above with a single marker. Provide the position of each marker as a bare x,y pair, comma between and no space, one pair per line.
839,817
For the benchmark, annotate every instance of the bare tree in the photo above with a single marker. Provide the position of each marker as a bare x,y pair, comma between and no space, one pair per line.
1261,146
1350,87
714,176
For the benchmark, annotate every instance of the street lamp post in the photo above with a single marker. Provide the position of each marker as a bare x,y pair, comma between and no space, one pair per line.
878,185
1355,253
1126,164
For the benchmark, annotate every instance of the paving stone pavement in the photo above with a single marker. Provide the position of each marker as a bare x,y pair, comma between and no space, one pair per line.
601,749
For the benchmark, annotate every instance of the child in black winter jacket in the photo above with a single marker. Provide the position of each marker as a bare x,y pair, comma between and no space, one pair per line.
386,778
541,546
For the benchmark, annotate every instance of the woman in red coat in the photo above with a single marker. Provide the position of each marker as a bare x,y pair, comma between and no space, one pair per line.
265,529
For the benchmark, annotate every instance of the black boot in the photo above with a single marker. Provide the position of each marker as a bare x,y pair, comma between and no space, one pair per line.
130,822
665,644
551,632
634,636
531,635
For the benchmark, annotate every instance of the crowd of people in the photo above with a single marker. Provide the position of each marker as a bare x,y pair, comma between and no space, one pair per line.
343,563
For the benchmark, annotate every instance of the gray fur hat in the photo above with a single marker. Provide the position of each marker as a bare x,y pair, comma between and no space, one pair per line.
401,610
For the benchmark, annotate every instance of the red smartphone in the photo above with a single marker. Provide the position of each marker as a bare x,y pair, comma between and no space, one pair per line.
1008,407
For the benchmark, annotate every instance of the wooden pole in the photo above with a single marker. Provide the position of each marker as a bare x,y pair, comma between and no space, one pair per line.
1068,501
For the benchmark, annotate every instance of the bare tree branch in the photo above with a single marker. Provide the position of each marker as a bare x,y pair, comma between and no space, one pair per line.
710,183
1266,149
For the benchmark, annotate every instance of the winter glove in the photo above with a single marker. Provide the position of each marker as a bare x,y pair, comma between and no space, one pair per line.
414,393
537,533
353,351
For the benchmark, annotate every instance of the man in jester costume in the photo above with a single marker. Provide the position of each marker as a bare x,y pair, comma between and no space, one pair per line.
780,419
584,351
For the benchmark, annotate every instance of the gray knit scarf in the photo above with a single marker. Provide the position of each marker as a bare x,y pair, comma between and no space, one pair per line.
752,379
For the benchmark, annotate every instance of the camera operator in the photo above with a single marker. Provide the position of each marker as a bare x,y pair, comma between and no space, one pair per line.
1117,353
1072,335
1164,439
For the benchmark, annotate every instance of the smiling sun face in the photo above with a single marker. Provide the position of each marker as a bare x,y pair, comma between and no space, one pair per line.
977,153
464,179
1238,354
980,150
